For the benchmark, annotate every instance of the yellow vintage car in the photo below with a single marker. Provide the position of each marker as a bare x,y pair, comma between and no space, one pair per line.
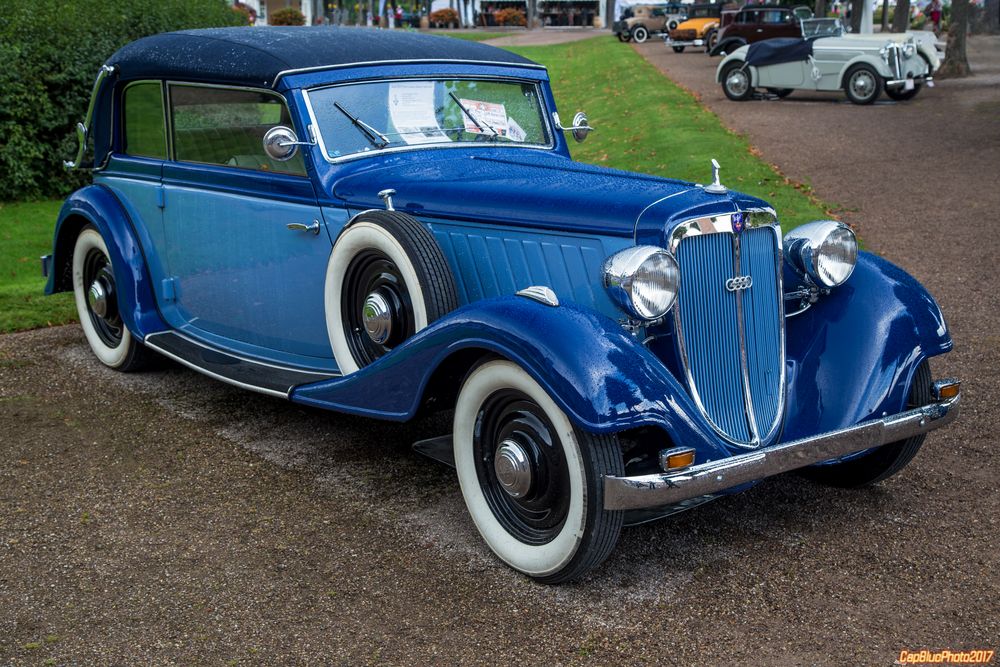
700,29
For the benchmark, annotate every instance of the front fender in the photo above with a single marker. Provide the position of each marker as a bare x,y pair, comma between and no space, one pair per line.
601,376
852,355
876,62
98,206
739,55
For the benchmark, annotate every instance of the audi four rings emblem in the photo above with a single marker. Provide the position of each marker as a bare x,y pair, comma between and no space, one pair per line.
739,282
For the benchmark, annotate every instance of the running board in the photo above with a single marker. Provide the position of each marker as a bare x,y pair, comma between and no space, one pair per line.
258,376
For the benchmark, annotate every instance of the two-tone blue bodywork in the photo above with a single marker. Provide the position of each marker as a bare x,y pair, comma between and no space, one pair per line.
203,251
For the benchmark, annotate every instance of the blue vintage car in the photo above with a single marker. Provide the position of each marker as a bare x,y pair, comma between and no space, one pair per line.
389,223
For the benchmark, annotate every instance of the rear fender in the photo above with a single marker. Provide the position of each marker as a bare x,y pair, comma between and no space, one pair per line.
601,376
96,205
852,355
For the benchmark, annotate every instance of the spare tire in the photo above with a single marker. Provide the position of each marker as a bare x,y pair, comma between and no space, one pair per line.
386,280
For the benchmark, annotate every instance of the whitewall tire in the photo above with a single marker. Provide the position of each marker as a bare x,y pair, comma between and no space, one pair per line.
532,482
97,304
386,280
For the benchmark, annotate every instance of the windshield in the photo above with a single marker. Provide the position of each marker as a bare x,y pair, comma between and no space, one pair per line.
370,117
821,28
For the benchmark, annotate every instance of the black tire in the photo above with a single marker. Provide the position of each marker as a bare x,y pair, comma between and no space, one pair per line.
96,296
736,81
885,461
678,49
672,25
531,520
622,37
900,95
640,34
710,40
862,84
386,279
780,93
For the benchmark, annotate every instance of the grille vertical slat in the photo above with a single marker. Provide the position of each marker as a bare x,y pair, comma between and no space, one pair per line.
710,332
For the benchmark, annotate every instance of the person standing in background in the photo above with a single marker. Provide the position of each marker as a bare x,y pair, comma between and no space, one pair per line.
934,14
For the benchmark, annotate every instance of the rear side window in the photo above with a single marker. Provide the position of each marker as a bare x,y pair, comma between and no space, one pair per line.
145,132
226,127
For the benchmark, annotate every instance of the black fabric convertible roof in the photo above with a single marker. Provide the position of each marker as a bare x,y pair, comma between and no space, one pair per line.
256,56
779,50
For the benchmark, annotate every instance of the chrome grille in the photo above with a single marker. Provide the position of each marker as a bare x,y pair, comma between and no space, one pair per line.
731,340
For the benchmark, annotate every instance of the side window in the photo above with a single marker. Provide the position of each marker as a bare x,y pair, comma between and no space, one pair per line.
659,11
749,17
226,127
145,133
773,16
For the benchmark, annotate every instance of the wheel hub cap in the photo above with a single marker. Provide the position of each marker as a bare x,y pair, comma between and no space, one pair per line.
513,469
377,317
97,295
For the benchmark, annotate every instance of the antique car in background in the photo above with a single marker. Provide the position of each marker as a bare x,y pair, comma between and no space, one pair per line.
699,29
860,65
754,23
646,20
386,224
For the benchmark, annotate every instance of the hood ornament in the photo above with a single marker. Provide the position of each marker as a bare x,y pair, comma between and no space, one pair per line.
716,188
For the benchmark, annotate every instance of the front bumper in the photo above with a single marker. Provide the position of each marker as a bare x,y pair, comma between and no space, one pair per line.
683,42
661,489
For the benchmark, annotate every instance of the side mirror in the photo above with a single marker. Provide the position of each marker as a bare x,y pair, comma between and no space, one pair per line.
580,128
281,144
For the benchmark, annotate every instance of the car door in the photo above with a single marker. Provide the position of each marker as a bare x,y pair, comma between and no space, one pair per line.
744,26
239,274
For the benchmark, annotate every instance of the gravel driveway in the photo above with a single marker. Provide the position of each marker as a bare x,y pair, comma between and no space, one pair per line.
164,518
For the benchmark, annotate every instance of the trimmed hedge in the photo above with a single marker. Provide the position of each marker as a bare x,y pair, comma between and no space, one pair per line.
51,51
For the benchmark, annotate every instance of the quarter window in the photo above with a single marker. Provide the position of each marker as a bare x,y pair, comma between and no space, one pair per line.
145,132
226,127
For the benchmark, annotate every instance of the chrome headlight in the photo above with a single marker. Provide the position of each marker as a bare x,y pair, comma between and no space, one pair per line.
825,250
909,49
643,280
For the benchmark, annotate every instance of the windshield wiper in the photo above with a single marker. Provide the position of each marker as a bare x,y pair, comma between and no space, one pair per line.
468,113
376,138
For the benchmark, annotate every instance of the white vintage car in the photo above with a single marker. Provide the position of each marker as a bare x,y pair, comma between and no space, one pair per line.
825,59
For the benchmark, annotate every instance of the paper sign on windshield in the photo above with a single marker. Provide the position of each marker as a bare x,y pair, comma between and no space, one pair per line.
411,109
488,115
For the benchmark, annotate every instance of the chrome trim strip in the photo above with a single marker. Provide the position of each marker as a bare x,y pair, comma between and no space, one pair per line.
371,63
83,129
626,493
306,96
214,376
722,224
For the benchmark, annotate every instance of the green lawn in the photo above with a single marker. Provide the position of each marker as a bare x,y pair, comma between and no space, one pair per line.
472,36
25,235
644,123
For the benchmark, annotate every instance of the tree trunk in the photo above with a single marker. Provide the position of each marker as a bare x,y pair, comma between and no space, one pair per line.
901,19
820,9
885,15
532,12
956,63
992,10
857,8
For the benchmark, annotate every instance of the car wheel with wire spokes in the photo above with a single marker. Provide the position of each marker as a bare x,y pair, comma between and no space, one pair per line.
386,280
862,84
736,81
96,294
532,481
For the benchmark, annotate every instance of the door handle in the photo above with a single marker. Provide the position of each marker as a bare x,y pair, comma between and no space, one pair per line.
300,227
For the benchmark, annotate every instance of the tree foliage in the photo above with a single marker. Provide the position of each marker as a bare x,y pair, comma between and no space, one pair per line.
287,16
51,51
